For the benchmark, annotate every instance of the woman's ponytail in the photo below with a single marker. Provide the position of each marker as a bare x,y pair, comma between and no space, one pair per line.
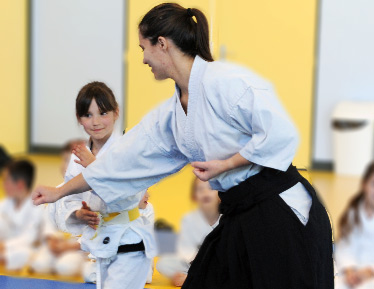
202,34
187,28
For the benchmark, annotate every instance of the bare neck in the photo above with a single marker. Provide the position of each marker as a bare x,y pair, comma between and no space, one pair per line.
181,72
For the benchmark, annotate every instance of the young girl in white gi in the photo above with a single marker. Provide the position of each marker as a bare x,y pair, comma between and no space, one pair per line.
354,252
195,226
20,221
228,123
117,236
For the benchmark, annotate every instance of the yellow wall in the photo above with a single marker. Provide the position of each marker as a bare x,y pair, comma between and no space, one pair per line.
13,72
276,39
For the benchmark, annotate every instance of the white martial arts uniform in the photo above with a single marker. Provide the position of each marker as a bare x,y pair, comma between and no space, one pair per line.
194,229
356,251
20,229
124,270
44,261
230,110
149,213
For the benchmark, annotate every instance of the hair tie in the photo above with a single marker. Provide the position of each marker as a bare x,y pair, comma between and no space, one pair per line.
189,12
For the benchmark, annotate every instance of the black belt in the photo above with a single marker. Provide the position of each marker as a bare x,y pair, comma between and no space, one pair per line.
131,248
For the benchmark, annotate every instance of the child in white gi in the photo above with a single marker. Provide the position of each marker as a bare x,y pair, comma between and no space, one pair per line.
355,250
146,210
106,230
59,252
20,220
195,226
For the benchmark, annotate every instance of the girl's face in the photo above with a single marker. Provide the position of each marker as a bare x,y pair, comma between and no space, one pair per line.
368,188
206,198
155,56
99,125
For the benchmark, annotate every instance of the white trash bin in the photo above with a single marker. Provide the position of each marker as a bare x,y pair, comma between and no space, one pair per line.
353,137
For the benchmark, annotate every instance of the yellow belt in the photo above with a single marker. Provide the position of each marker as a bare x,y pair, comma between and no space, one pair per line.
133,214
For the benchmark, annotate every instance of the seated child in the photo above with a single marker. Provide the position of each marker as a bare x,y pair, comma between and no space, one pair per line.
195,227
120,240
354,252
146,210
59,252
20,220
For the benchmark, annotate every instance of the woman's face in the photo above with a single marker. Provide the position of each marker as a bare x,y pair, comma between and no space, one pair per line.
369,191
99,125
155,56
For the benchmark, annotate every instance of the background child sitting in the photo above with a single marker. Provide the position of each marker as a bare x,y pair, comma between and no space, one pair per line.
59,251
20,220
355,250
195,227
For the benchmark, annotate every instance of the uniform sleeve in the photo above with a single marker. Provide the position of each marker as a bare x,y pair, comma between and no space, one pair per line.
186,246
345,254
71,204
137,160
274,138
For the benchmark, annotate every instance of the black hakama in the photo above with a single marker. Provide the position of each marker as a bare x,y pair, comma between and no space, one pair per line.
261,244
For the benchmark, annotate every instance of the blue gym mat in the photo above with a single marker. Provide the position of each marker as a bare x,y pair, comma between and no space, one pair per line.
27,283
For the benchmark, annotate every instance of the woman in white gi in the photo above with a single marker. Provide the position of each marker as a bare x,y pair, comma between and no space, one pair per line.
227,122
105,237
354,252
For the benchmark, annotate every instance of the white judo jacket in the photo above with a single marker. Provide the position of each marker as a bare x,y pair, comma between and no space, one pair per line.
117,234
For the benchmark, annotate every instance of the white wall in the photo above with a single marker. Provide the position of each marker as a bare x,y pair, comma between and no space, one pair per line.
345,66
73,42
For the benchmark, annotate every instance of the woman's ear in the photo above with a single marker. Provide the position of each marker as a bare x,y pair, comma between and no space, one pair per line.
162,42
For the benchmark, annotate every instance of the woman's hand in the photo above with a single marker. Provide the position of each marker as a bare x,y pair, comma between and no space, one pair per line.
43,194
85,156
88,216
210,169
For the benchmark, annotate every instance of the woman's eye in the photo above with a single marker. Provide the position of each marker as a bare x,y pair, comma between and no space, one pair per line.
104,113
87,115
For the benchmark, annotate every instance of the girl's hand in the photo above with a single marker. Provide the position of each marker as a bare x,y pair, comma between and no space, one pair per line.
85,214
85,156
365,273
42,195
352,277
210,169
178,279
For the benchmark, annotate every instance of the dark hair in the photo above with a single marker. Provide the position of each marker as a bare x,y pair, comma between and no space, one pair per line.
346,223
178,24
21,170
102,94
4,158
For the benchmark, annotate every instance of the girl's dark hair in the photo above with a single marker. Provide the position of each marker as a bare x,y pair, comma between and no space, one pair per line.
178,24
102,94
21,170
346,222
